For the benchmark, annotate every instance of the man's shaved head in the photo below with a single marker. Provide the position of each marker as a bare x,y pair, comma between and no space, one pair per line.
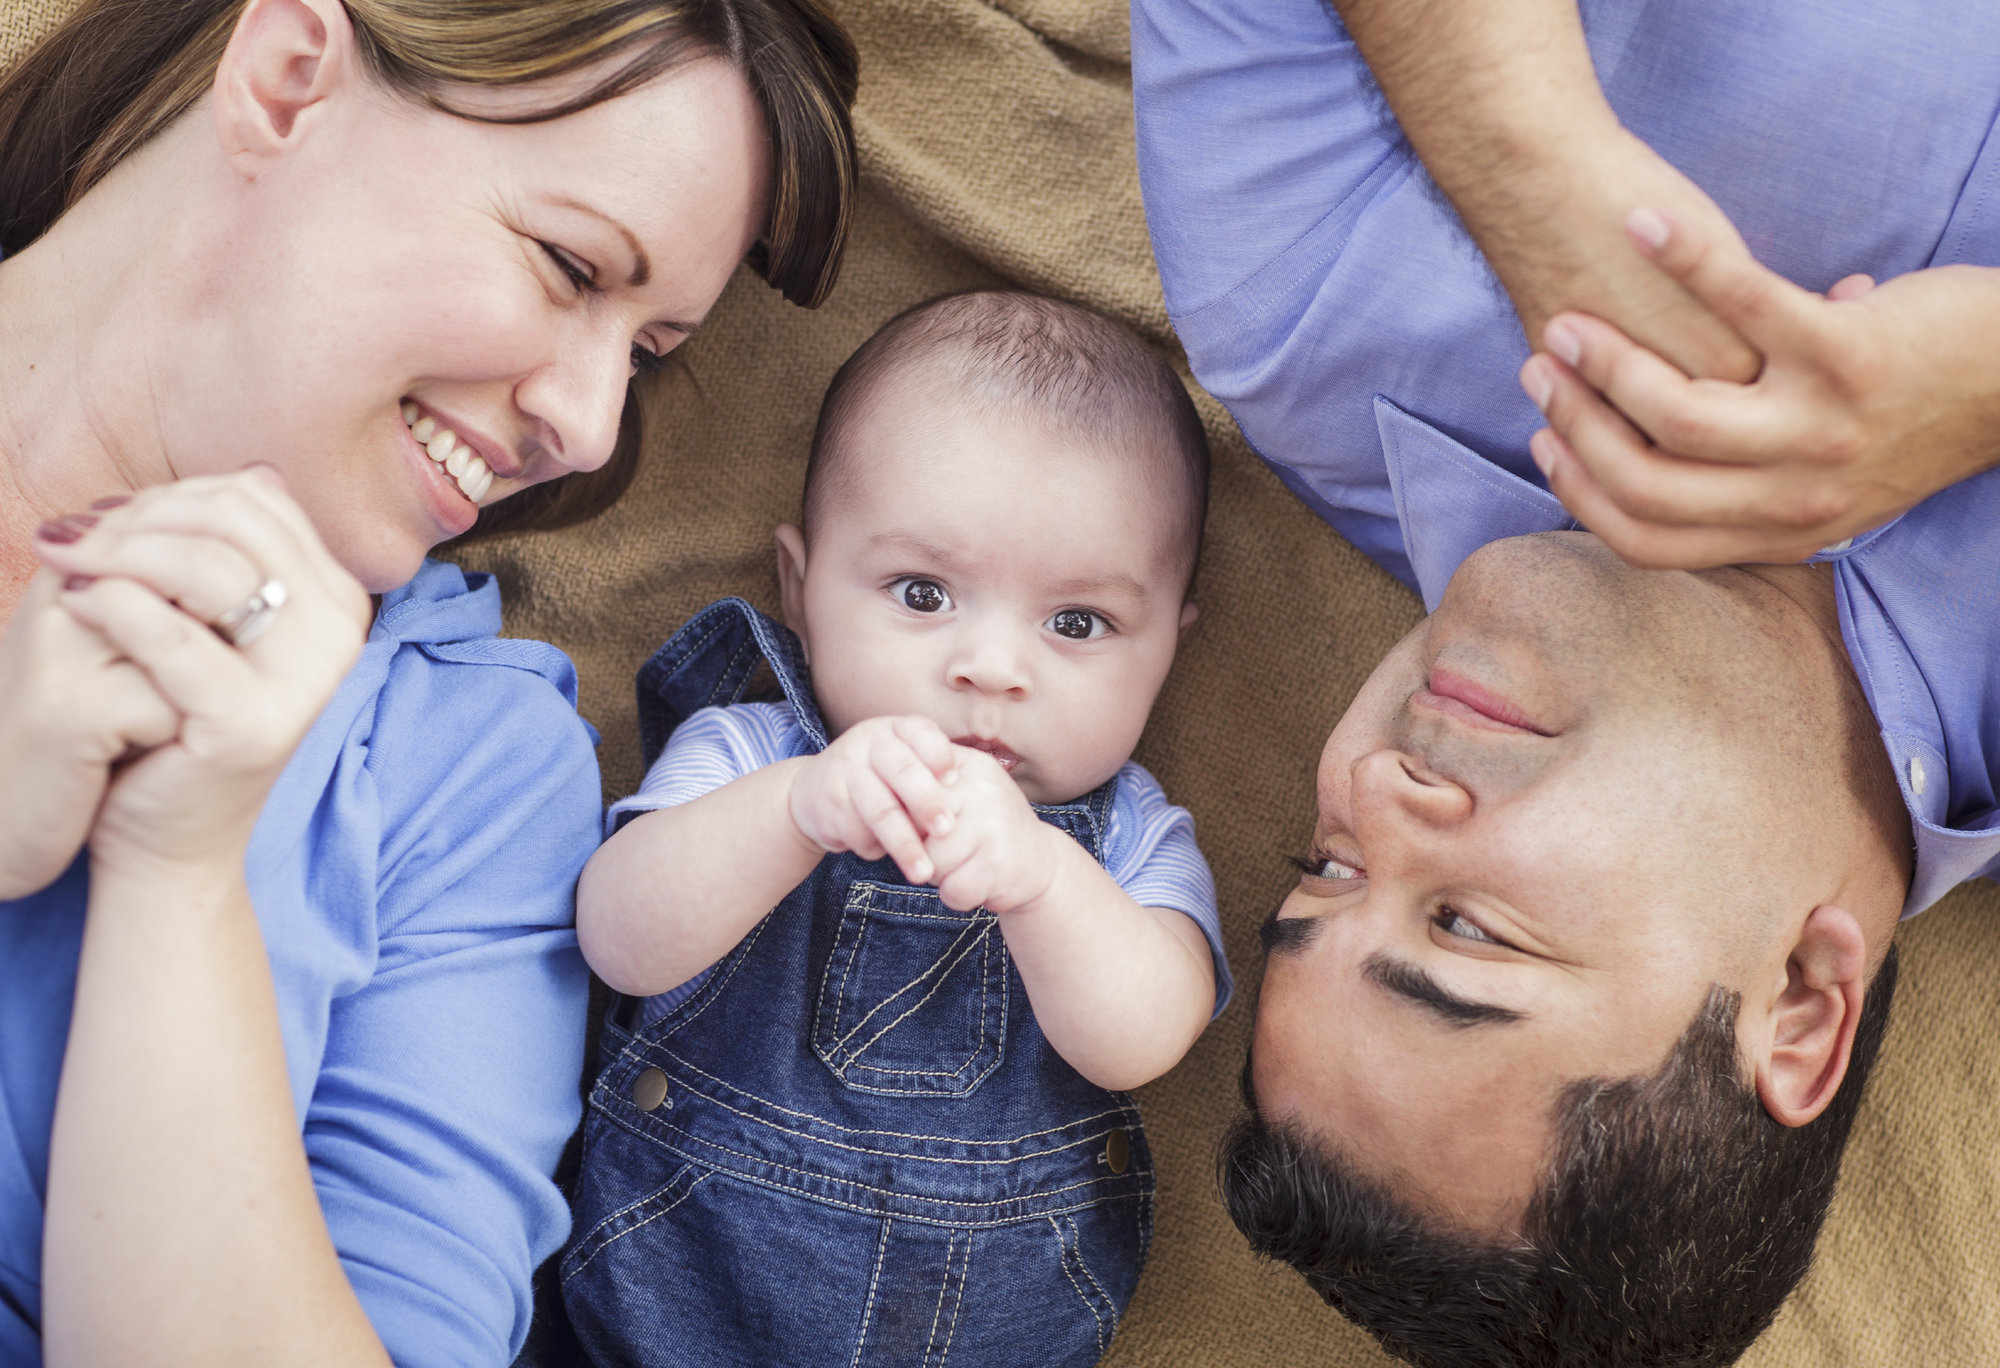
1086,377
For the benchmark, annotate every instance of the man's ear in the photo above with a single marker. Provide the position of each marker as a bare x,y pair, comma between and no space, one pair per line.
792,582
1808,1033
283,60
1188,614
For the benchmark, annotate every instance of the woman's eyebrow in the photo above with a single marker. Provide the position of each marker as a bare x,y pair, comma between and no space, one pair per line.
1408,981
642,265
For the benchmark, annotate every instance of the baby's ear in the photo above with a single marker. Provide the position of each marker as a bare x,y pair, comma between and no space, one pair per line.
792,580
1188,614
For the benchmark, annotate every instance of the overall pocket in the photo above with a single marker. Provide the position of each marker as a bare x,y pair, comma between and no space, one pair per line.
913,998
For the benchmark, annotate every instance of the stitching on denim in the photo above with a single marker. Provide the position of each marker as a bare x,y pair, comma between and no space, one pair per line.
1076,1236
951,1243
1062,1246
630,1207
958,945
768,1162
1125,1116
854,1056
709,991
585,1262
868,1307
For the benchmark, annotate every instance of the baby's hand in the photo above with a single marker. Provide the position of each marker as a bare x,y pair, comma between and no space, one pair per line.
993,851
875,790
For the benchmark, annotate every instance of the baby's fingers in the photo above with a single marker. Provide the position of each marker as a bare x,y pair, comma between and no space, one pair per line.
878,809
928,740
914,782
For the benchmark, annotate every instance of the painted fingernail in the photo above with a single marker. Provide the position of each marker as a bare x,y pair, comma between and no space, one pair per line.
1563,341
111,501
1647,226
59,532
1535,380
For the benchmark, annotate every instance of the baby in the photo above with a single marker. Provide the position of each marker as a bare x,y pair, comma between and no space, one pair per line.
885,1120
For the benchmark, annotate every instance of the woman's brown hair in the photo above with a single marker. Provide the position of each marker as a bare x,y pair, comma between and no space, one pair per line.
116,72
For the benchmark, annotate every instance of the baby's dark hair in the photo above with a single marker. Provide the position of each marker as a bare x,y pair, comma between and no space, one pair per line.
1083,373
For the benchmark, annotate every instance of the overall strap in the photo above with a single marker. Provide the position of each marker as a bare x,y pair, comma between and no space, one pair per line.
1087,818
710,662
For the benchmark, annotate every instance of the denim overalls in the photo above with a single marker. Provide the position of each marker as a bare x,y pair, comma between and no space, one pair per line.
850,1146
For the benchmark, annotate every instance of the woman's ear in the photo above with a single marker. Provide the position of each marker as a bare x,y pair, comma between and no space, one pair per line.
283,60
1809,1031
792,582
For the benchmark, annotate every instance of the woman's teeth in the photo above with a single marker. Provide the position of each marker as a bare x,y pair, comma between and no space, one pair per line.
442,445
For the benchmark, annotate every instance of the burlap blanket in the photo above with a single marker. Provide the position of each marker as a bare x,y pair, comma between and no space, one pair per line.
997,146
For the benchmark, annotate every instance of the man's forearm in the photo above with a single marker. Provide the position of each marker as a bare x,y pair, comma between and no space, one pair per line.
1501,101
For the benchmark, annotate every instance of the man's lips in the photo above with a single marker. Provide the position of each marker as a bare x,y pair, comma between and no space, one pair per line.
999,752
1463,698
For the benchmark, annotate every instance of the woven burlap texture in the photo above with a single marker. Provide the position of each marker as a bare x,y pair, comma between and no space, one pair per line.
996,146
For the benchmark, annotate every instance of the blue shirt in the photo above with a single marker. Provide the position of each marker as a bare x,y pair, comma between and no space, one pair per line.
1327,294
1149,847
413,874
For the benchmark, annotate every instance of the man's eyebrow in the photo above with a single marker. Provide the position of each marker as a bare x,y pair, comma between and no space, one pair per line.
1286,935
1409,981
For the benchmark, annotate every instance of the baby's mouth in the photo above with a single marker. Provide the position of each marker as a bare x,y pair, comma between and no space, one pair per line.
442,445
1008,760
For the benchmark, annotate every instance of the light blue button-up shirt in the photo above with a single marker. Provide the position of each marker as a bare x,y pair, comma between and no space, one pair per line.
1327,294
413,875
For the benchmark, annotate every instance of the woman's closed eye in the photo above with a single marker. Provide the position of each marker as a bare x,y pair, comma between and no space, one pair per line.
583,279
1078,624
920,595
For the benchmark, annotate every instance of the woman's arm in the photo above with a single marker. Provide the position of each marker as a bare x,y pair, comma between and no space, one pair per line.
182,1223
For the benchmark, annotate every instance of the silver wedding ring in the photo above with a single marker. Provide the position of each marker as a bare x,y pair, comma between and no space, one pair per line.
246,622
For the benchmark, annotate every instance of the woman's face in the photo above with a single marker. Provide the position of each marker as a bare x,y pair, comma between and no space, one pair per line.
492,286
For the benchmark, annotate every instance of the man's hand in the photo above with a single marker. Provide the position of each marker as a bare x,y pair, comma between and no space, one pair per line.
876,790
994,852
1870,400
1501,102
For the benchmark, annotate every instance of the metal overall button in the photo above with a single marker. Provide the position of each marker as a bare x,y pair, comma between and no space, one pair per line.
649,1089
1117,1154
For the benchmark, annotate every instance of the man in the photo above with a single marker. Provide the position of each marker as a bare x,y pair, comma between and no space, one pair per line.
1561,1036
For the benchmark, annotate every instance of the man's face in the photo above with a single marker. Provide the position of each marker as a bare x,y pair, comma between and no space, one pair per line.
1545,827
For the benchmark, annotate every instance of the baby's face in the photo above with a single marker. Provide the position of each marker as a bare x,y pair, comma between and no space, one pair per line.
1021,591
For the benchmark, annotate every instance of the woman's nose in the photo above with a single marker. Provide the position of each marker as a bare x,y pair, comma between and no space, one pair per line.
990,663
578,398
1392,783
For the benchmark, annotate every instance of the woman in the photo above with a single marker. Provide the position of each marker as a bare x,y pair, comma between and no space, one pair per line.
290,1009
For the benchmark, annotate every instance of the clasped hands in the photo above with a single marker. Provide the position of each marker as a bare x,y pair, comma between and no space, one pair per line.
1857,406
946,814
126,721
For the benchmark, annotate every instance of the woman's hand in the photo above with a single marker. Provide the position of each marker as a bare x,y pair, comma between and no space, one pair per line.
1871,399
150,578
70,709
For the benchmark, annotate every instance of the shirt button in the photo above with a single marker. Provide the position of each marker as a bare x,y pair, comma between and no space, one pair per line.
1917,775
649,1089
1117,1151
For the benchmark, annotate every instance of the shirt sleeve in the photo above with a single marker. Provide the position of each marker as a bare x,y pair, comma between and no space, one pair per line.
711,748
449,1081
1149,849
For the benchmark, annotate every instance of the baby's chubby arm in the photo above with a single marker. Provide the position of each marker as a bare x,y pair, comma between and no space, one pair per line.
1120,990
676,888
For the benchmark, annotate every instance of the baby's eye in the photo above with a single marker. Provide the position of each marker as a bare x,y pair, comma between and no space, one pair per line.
1078,625
1452,924
921,595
